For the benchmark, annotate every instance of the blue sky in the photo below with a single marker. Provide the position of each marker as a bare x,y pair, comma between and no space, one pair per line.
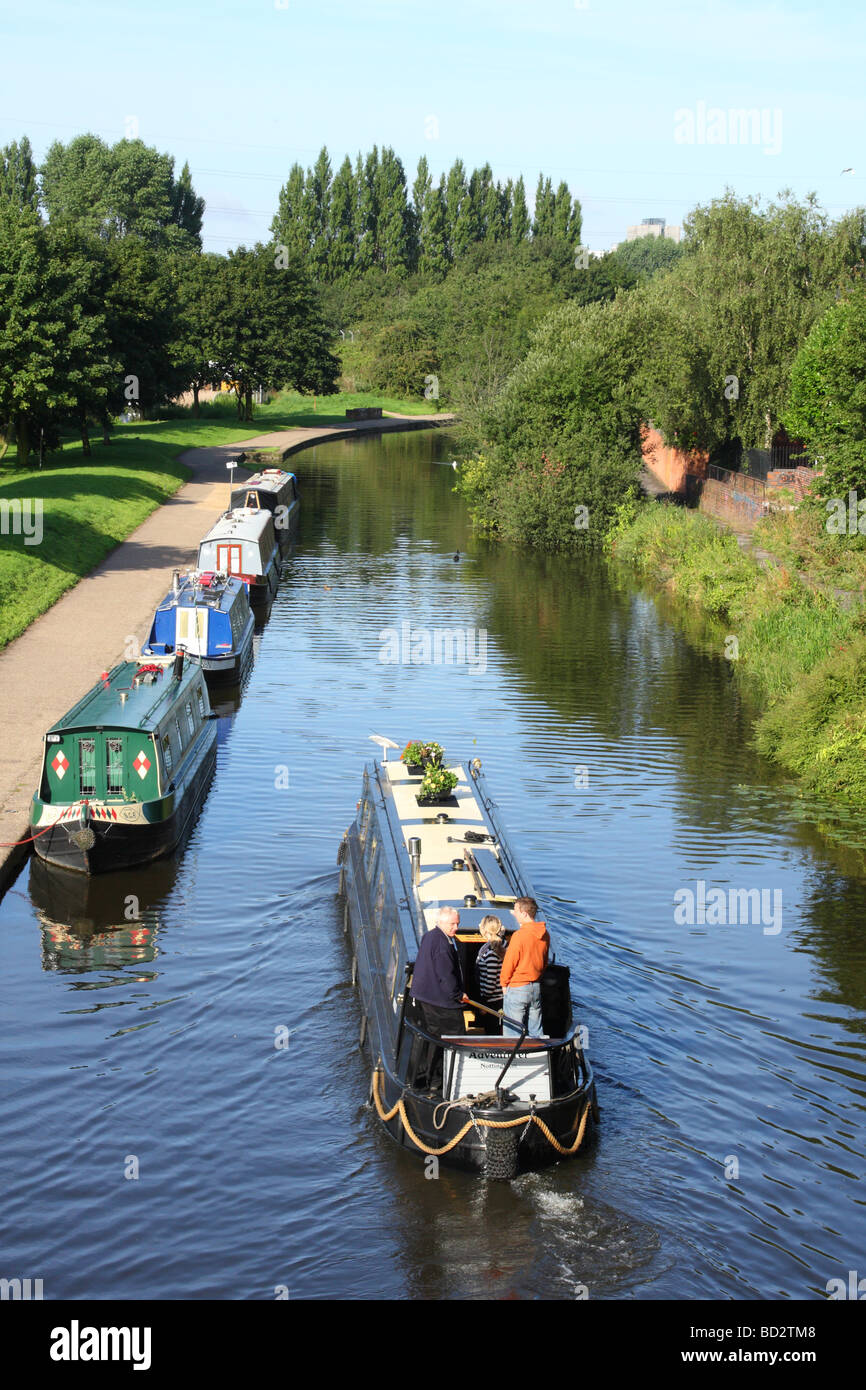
593,92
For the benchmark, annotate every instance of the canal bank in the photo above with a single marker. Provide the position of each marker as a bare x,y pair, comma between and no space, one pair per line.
108,613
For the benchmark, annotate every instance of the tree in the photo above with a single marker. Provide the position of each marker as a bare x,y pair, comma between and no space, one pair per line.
648,254
18,174
196,290
54,350
455,196
520,223
434,234
395,221
268,327
566,222
289,226
827,400
367,211
317,212
341,255
127,189
542,222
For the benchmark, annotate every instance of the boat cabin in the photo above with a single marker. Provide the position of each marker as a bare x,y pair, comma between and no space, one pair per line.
243,543
274,490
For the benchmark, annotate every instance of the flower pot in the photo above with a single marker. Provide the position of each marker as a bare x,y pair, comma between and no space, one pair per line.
414,769
448,800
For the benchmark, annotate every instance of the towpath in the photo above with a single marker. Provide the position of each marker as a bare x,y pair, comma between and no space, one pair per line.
51,665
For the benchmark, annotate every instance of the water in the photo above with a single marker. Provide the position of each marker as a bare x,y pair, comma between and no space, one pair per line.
730,1060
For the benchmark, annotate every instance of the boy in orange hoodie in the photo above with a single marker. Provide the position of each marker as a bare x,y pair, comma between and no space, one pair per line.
523,967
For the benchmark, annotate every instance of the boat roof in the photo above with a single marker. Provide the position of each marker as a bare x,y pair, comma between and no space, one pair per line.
240,523
267,480
440,884
221,592
146,703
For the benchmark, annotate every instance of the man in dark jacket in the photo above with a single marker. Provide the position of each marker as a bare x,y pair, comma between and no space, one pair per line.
437,986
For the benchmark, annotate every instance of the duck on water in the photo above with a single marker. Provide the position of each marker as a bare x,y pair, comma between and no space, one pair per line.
495,1105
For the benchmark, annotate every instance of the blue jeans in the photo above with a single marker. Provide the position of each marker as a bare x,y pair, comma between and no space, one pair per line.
515,1001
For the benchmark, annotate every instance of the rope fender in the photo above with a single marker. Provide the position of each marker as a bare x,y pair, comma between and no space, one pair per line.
386,1115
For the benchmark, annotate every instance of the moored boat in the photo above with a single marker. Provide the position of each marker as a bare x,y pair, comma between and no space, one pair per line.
274,490
126,770
507,1104
243,543
209,616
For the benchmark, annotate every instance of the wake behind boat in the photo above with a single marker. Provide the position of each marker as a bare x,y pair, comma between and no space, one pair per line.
506,1104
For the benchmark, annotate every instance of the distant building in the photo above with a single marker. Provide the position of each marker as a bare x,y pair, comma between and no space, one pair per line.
654,226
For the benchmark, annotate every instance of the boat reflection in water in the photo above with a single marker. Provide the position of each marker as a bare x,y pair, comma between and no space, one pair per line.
108,921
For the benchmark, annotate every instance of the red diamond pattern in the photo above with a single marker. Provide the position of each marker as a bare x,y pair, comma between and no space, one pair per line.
60,763
142,764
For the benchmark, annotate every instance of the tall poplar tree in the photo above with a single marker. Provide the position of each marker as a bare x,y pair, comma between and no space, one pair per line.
18,174
289,224
341,256
520,224
434,234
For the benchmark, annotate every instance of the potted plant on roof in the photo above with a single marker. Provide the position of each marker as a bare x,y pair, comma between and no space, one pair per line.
436,787
417,756
413,757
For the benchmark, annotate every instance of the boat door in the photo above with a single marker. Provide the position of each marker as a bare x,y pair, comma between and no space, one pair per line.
229,558
191,633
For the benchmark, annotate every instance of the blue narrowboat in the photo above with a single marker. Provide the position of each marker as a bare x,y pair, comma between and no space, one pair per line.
126,770
274,490
209,616
243,543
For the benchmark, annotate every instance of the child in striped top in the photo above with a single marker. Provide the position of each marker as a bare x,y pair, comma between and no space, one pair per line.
489,964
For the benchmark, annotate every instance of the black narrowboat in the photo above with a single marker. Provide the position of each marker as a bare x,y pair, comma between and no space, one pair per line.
274,490
508,1104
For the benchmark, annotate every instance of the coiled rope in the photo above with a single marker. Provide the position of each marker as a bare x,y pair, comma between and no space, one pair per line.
386,1115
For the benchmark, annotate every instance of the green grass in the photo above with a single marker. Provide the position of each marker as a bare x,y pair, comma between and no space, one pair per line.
802,656
90,506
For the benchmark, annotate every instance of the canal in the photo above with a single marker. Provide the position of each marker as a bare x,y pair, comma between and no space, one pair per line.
184,1104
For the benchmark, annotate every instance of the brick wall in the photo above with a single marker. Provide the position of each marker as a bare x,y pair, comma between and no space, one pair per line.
670,465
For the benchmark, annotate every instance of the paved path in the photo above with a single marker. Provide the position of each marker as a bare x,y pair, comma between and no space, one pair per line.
93,625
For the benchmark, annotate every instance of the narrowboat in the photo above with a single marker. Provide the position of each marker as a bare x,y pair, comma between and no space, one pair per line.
274,490
507,1104
209,616
243,543
126,770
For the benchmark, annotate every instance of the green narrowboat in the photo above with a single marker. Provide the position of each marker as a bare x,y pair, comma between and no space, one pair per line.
126,770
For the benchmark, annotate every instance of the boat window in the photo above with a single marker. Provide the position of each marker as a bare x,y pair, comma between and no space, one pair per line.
86,766
253,500
200,702
379,903
114,766
166,752
190,718
179,735
393,962
366,808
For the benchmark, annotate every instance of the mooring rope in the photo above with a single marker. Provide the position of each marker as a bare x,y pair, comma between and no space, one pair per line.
386,1115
